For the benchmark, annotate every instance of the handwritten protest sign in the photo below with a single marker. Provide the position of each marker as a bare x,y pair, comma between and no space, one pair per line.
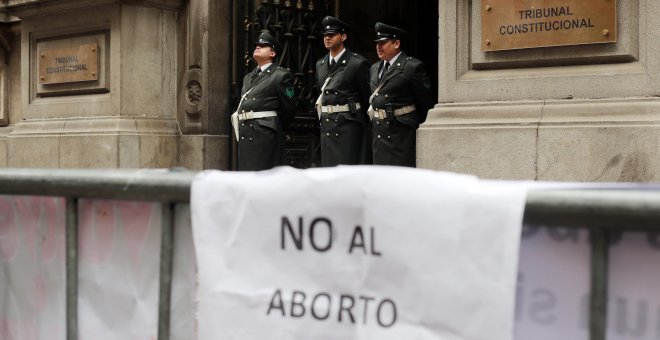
355,253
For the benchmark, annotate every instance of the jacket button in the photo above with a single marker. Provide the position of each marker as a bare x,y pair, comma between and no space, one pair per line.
251,125
386,96
389,137
378,136
327,119
336,135
377,122
327,134
242,138
250,138
242,124
388,123
336,120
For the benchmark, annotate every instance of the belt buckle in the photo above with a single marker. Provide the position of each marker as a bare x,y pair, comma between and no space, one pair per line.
245,115
335,108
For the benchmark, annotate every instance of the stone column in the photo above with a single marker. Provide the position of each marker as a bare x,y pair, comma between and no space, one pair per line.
204,92
10,55
577,113
125,117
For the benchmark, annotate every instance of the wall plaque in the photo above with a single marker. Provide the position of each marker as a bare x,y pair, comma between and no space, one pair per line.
69,64
517,24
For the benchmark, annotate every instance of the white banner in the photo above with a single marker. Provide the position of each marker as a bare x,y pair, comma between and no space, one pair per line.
32,284
119,255
118,269
120,246
552,300
355,253
553,285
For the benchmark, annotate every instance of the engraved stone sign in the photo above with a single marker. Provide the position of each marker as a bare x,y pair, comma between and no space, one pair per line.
516,24
69,64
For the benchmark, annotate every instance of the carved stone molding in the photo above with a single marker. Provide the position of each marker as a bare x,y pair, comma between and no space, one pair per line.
26,8
194,94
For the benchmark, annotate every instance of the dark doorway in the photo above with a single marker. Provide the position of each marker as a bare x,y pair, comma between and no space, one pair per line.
297,25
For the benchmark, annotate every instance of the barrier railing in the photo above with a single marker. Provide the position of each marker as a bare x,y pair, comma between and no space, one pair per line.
600,211
167,187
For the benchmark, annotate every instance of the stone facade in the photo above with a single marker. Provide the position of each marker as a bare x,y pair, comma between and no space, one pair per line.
577,113
132,115
163,97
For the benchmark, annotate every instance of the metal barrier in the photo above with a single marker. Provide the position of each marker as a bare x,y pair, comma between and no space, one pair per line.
598,210
167,187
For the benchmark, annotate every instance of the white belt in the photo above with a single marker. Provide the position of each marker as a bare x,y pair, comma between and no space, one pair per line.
236,117
382,114
256,115
338,108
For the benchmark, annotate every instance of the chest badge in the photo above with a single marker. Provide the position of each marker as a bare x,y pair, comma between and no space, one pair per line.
290,92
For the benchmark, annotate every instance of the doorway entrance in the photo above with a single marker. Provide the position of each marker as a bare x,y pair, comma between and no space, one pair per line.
297,25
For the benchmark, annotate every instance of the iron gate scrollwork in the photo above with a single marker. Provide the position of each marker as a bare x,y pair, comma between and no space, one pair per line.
296,25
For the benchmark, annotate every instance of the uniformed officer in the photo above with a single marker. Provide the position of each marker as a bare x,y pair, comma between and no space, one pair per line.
267,106
343,79
401,97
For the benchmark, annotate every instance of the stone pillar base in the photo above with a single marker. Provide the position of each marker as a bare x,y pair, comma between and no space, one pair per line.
3,146
199,152
98,142
610,140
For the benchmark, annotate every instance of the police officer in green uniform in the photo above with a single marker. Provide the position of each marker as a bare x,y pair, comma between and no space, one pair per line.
343,79
267,106
400,99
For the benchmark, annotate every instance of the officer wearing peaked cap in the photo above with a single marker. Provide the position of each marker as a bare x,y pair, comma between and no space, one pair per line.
343,80
400,99
267,106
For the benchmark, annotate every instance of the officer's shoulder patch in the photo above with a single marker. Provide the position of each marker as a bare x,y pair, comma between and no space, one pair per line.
290,92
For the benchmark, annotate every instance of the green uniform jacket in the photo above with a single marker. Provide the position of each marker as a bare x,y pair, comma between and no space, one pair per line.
345,135
261,142
405,83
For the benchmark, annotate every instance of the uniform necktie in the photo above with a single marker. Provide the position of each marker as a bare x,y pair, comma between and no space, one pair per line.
332,62
387,66
256,73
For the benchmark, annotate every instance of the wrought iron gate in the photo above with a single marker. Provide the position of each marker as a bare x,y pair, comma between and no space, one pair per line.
296,25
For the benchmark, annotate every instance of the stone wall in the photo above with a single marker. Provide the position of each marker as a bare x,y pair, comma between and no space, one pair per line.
136,112
578,113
